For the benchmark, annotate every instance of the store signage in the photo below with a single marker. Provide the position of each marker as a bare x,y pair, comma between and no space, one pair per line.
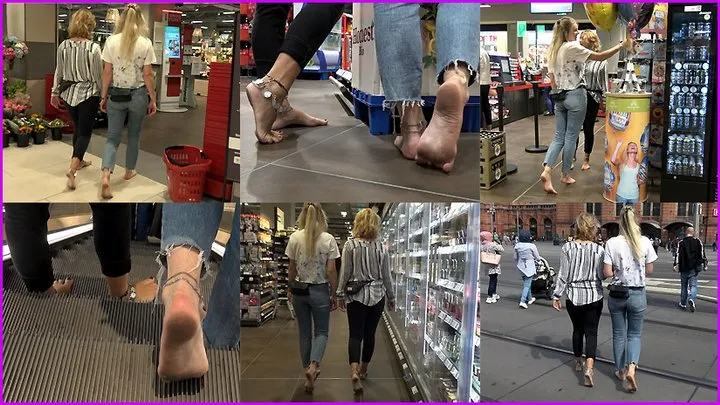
540,28
362,35
521,28
693,9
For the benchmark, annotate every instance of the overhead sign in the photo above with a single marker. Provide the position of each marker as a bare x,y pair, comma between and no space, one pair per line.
521,28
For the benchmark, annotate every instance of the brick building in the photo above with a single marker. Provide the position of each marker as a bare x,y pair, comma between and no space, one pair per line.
545,221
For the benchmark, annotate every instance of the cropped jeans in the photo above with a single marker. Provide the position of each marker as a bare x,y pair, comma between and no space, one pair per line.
196,225
313,314
627,317
569,117
399,46
135,111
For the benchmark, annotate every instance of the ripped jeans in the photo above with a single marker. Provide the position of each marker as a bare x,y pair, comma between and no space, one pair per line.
399,46
196,225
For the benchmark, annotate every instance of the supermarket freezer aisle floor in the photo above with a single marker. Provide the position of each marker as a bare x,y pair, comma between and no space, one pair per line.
344,158
271,369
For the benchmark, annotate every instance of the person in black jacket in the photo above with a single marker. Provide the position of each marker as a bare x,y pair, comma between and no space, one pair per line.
689,261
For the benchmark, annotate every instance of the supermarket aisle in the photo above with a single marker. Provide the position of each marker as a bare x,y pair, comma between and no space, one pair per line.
271,370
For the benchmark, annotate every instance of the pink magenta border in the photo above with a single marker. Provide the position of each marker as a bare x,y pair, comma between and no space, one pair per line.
717,105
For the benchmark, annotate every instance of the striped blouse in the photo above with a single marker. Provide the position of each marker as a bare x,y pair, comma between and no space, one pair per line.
581,273
596,79
79,62
366,261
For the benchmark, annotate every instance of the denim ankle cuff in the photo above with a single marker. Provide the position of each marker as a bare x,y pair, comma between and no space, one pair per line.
453,64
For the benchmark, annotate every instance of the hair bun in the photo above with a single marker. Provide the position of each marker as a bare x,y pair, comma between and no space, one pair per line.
132,6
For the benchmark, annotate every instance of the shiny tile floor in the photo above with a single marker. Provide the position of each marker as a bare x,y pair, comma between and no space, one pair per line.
524,186
342,161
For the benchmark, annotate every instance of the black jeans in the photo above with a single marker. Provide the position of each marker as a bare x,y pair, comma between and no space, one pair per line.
363,321
585,320
589,124
26,229
485,104
83,117
305,35
492,285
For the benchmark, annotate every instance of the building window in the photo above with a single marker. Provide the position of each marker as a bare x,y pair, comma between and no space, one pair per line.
686,209
594,208
651,209
618,208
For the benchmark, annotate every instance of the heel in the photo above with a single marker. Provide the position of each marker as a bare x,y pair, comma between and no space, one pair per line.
71,174
588,377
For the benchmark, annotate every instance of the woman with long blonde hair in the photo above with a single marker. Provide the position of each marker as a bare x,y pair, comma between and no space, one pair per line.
364,285
128,81
566,68
78,79
312,283
629,257
580,277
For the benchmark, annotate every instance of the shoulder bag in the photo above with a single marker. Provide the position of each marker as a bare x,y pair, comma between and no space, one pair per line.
490,258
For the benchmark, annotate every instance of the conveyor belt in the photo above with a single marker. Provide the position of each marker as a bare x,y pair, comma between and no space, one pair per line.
88,347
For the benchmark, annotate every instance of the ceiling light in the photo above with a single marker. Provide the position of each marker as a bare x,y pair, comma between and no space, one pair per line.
195,22
228,21
62,15
184,15
484,6
228,12
203,27
343,213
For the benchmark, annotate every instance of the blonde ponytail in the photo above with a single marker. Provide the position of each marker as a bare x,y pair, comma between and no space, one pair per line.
561,30
131,26
630,230
313,221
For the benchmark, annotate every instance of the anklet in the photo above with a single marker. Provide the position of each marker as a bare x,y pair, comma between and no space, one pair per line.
262,84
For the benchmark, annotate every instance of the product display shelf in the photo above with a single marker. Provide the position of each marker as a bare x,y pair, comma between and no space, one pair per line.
247,60
435,271
280,241
258,295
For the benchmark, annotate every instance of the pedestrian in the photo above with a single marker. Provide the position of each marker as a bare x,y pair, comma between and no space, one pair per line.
491,263
313,282
580,276
690,260
525,255
714,246
364,288
628,258
596,80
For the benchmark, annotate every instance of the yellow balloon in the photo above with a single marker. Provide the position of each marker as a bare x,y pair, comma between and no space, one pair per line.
602,15
658,22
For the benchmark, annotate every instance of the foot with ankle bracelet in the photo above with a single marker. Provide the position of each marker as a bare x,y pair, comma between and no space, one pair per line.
267,98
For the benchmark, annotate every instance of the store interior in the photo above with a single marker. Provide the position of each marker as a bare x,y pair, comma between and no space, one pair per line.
188,113
423,352
675,55
344,156
87,339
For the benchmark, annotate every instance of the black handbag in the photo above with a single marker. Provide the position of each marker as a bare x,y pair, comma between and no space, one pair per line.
353,287
618,291
119,95
299,288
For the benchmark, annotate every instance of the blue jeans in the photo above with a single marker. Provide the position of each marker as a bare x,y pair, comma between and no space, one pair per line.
549,103
624,200
627,317
569,117
135,111
527,291
399,46
313,312
688,279
196,225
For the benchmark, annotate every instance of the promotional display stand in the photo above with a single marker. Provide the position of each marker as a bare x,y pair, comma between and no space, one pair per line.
216,140
167,37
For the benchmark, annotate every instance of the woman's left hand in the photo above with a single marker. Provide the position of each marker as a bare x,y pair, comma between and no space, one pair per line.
557,305
333,303
55,102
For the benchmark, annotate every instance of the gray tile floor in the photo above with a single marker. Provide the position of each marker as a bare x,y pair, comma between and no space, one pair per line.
272,371
525,186
342,161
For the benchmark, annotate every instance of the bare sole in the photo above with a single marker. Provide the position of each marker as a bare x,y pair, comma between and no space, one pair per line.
182,350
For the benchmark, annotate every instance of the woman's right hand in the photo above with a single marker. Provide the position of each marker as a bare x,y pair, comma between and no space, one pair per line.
55,102
627,43
103,104
152,108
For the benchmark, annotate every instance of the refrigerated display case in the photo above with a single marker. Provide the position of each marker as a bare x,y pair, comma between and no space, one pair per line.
691,89
435,268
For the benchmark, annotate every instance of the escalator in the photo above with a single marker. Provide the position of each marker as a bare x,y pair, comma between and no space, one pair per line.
89,347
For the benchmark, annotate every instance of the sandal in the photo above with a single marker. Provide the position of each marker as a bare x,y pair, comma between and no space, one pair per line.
277,104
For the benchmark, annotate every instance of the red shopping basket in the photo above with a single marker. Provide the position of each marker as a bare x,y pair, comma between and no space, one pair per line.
187,168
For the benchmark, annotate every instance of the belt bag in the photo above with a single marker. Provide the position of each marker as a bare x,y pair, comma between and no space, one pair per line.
353,287
558,96
490,258
618,291
120,95
298,288
64,85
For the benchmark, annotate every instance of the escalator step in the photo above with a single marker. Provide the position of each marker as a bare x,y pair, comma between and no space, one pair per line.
42,368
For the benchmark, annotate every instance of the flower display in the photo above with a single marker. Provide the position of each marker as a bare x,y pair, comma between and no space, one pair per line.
14,49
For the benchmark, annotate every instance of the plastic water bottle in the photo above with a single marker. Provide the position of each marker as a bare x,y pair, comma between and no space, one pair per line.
671,165
672,140
699,168
699,146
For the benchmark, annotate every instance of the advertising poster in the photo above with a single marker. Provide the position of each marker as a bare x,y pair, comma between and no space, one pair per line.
172,42
626,147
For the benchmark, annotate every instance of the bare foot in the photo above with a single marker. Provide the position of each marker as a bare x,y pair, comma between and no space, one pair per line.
547,183
438,144
585,166
105,190
265,115
311,374
296,117
62,287
182,350
129,174
146,290
567,180
408,140
71,179
85,164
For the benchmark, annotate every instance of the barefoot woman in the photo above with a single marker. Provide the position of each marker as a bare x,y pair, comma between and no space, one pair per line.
399,53
280,58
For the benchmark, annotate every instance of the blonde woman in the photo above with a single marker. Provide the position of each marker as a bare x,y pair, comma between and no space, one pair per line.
78,79
364,286
596,83
566,67
126,85
628,164
628,259
580,277
313,281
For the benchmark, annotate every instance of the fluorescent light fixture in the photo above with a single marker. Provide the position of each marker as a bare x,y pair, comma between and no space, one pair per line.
62,15
484,6
184,15
343,213
228,12
196,22
202,27
228,21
